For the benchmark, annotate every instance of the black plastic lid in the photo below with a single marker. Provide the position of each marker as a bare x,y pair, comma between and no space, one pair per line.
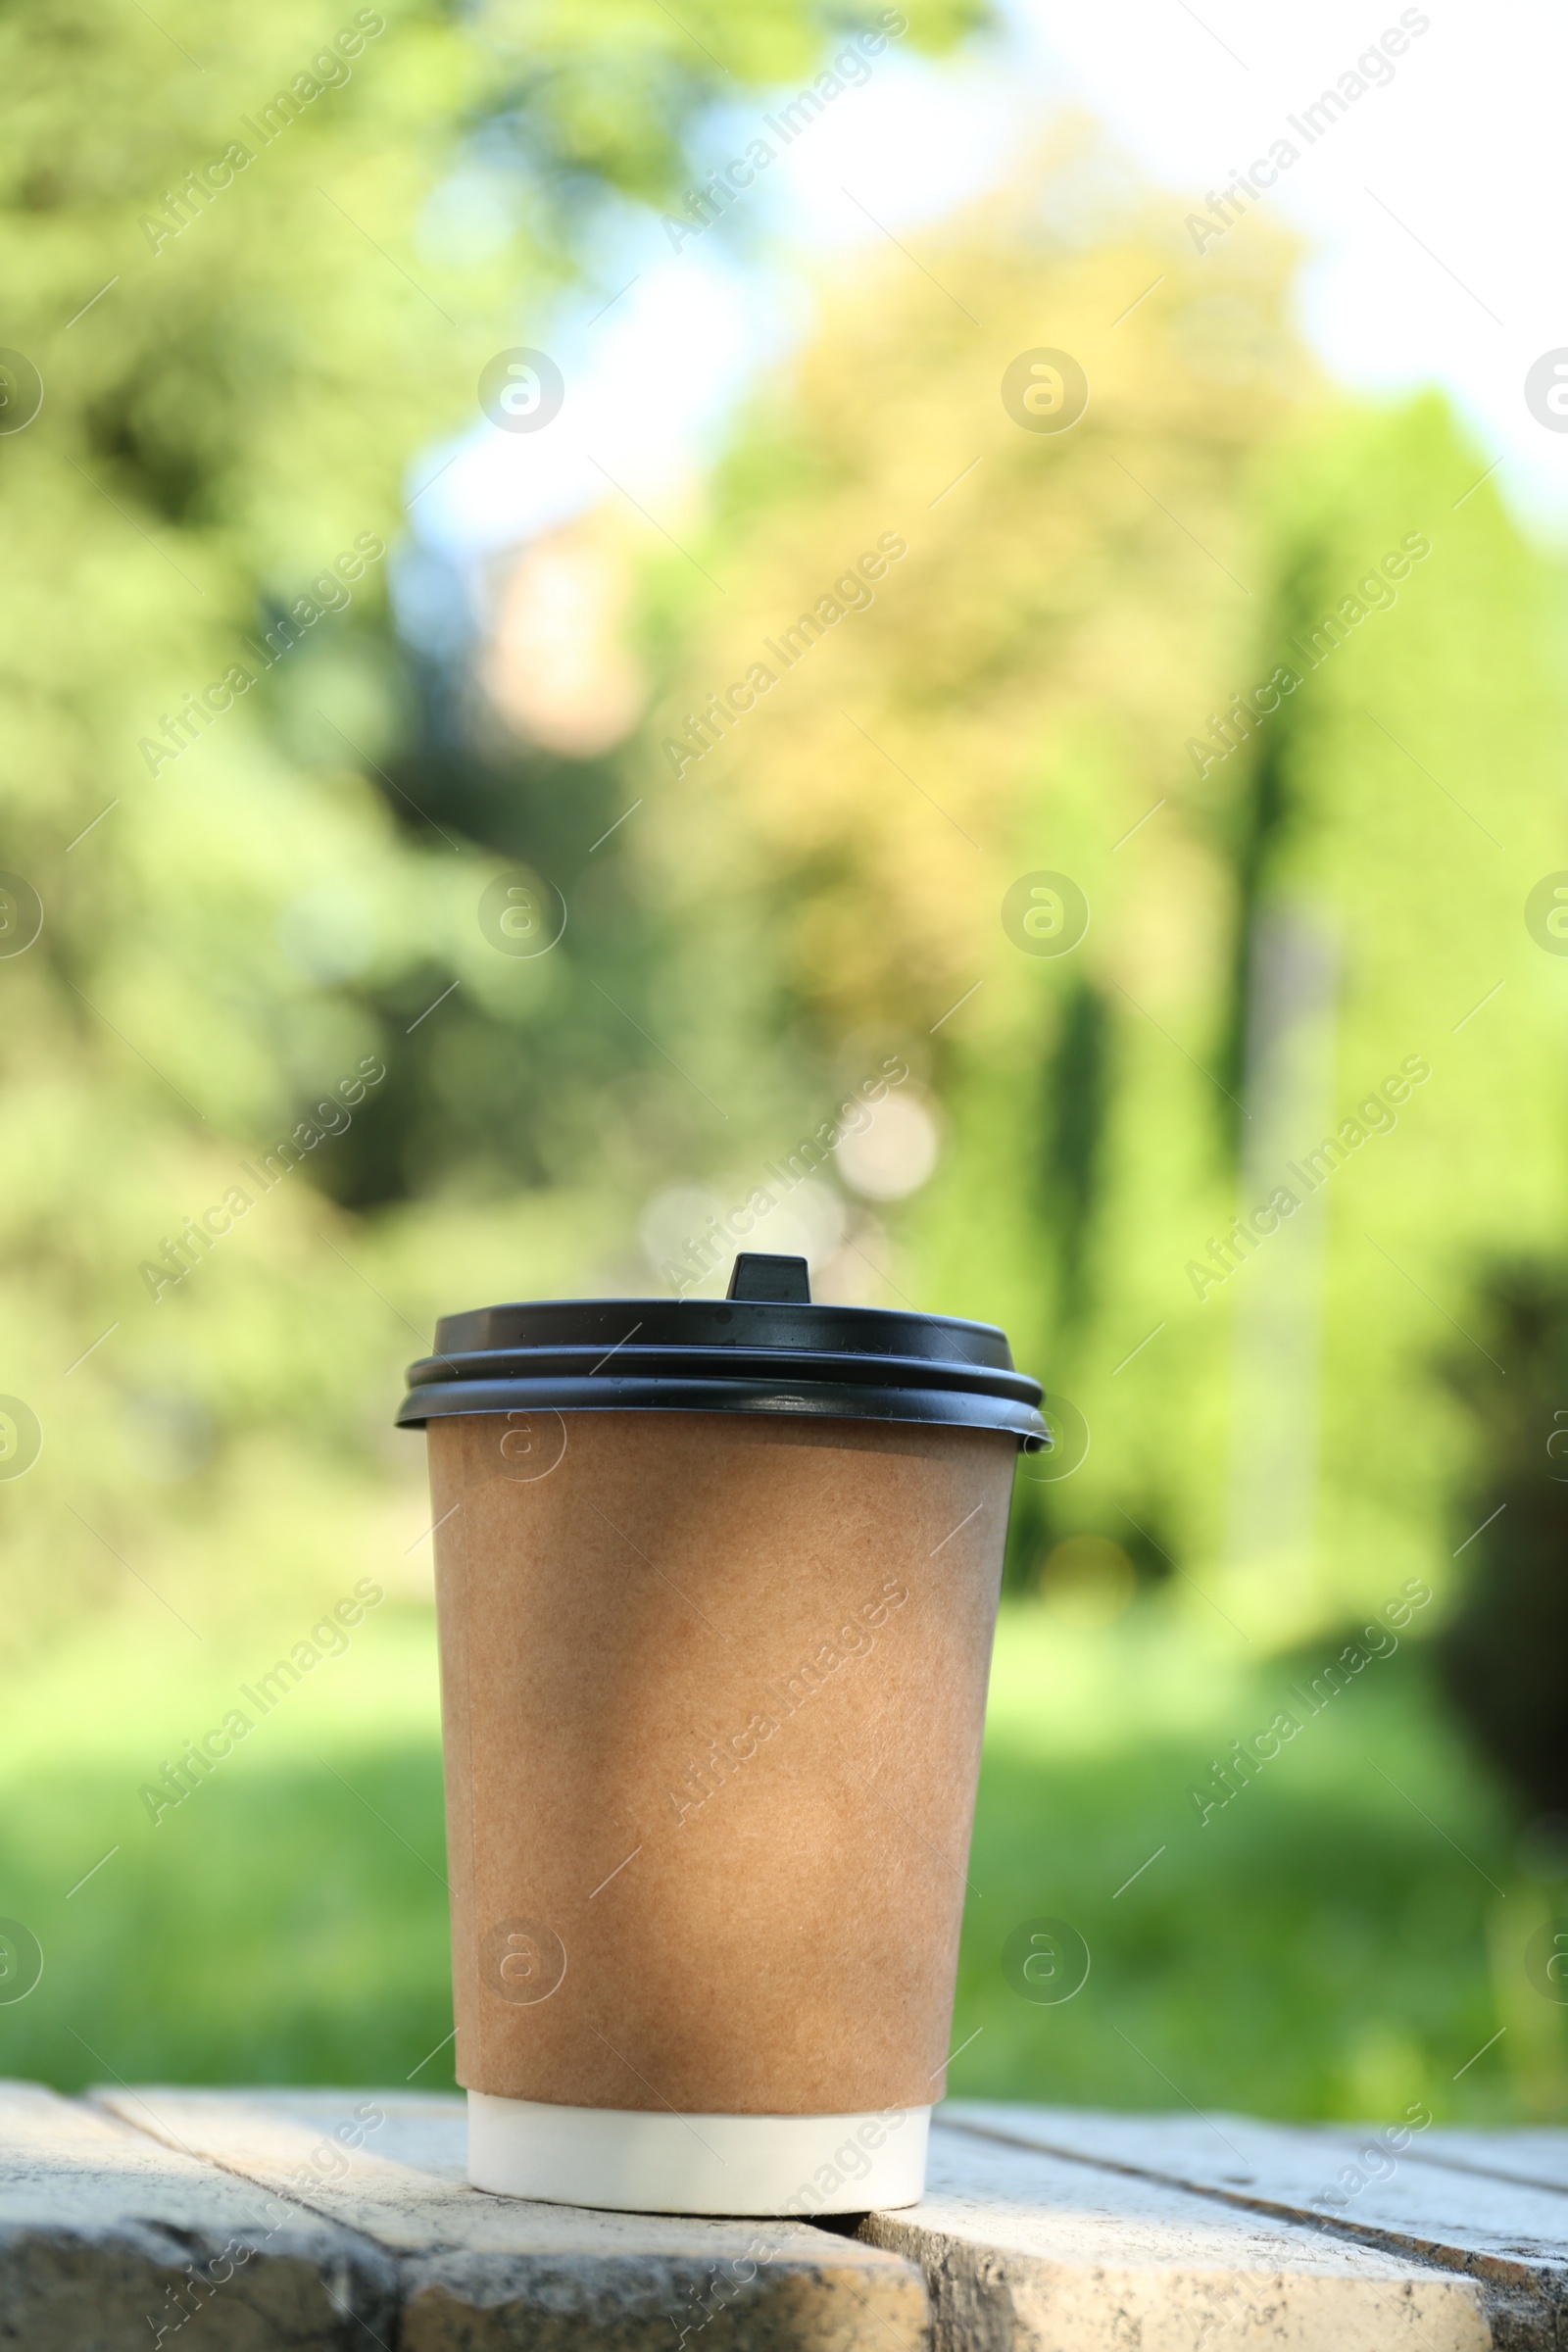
765,1348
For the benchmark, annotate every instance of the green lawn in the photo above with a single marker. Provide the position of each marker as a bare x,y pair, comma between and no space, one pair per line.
1339,1940
1327,1944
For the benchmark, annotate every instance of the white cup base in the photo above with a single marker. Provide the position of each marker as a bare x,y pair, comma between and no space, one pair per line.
636,2161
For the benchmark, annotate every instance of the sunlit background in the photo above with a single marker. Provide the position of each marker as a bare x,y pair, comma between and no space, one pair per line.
410,444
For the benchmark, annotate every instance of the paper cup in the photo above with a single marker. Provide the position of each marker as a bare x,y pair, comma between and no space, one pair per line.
712,1689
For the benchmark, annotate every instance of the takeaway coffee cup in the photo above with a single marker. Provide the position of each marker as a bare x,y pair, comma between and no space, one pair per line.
716,1584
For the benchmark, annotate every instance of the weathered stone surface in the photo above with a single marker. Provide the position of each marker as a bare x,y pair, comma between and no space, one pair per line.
108,2236
1508,2235
1537,2159
1028,2252
482,2272
255,2221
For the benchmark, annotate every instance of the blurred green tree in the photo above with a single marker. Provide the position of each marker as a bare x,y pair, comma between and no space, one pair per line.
1014,702
258,923
1268,677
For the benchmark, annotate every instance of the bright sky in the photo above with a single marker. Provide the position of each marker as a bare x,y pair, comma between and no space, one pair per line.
1434,207
1431,210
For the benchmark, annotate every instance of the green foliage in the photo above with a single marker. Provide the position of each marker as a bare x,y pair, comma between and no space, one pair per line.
1503,1653
1287,910
239,251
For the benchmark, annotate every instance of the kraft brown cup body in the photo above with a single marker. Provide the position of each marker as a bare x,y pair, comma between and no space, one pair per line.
712,1689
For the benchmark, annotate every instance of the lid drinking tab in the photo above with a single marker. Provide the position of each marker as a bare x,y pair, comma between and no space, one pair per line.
782,1281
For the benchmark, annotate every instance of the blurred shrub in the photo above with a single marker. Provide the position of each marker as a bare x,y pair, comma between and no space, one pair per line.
1506,1652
